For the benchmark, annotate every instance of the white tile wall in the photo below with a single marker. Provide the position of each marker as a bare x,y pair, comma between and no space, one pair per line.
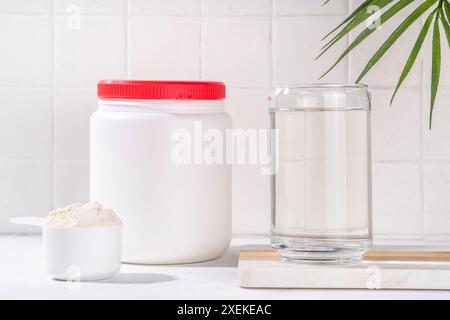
70,180
26,55
237,7
157,7
25,189
295,7
171,49
73,108
26,6
387,73
251,205
88,48
436,141
237,50
26,128
295,48
400,136
104,7
54,51
437,200
397,198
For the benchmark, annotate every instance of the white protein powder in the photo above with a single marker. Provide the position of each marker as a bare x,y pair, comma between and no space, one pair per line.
82,215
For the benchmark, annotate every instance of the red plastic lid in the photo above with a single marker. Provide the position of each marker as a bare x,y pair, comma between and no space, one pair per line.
167,90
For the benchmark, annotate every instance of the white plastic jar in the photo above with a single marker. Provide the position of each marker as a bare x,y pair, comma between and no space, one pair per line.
147,145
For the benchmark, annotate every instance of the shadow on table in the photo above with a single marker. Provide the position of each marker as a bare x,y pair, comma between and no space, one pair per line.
230,259
138,278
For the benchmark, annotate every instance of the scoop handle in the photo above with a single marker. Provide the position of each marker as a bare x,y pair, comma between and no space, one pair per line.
28,221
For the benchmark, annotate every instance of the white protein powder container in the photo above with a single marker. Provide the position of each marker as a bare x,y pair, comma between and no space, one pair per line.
157,158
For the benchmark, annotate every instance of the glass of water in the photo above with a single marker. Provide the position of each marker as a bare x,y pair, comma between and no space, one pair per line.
321,192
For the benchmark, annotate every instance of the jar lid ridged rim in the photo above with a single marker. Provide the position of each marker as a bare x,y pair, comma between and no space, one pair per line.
161,90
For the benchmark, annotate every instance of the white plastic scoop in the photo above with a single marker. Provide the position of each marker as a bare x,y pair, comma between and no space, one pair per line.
78,253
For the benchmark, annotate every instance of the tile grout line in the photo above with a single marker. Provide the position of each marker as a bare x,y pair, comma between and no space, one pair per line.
201,39
87,86
126,11
349,63
422,148
53,120
423,161
378,87
232,15
271,46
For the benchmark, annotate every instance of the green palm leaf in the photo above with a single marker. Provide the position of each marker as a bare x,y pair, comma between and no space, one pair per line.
446,26
395,35
361,16
414,53
350,17
441,16
435,65
447,10
368,31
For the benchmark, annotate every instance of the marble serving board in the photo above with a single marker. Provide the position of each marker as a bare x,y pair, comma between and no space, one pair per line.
382,268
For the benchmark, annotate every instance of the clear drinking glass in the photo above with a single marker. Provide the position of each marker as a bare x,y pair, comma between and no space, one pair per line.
321,193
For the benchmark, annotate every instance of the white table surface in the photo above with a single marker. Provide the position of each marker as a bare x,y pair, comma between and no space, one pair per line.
22,276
